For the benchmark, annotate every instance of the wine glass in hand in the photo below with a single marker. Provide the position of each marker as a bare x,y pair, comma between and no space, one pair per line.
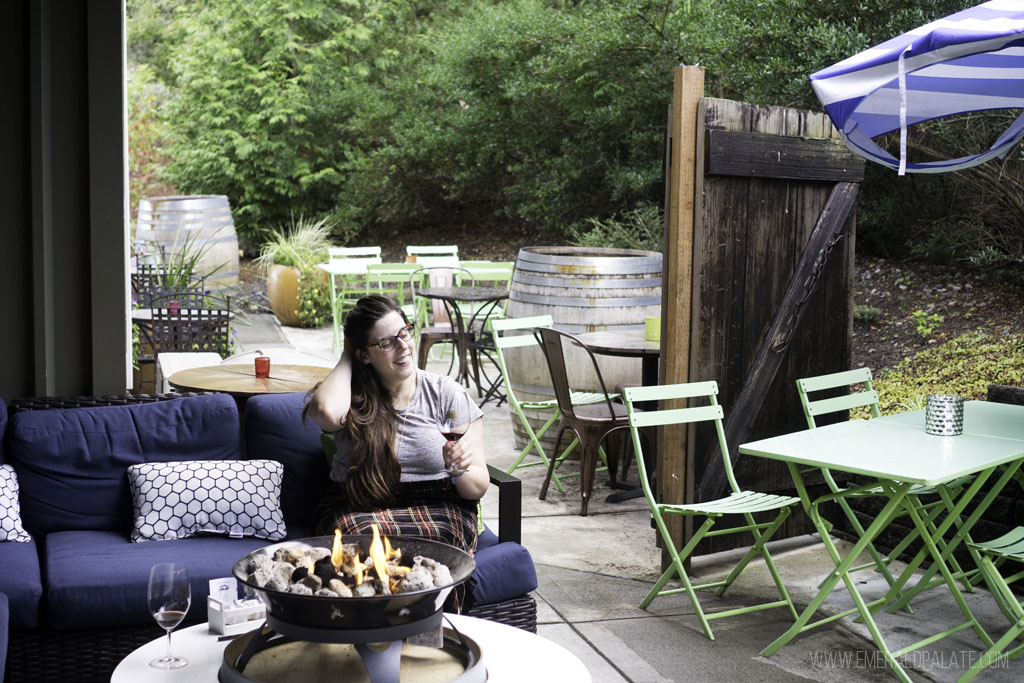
169,598
454,432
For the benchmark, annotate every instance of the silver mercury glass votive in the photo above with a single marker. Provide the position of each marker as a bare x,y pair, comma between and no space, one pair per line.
944,415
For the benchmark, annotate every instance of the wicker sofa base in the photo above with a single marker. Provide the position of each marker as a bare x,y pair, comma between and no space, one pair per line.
91,655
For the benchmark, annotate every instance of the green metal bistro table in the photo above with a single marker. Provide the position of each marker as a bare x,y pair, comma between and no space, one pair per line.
896,453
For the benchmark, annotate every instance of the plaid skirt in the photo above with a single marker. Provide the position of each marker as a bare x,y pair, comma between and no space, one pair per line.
428,509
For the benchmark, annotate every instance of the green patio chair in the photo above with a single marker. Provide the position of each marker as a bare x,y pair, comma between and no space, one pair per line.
994,556
390,279
857,392
346,266
497,274
433,256
503,340
739,502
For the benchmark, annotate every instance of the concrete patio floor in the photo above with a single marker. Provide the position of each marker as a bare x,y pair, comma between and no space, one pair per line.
593,572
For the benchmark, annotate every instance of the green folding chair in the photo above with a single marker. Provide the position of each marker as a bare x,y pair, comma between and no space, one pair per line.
346,266
390,279
497,274
994,556
502,341
863,395
434,256
738,502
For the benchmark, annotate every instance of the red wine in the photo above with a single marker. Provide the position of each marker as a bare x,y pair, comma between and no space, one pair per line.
168,619
452,436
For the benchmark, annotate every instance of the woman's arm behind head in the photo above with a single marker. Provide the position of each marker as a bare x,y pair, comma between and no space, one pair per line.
329,404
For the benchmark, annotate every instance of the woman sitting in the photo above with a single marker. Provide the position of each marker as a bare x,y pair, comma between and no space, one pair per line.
393,465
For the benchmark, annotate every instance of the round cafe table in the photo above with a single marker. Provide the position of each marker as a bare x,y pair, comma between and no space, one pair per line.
511,655
241,382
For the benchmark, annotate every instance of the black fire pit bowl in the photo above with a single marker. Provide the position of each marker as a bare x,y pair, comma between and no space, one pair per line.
361,613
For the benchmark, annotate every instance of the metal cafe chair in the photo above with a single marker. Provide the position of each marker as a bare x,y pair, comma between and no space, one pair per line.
995,555
506,337
739,502
864,396
434,325
590,422
192,329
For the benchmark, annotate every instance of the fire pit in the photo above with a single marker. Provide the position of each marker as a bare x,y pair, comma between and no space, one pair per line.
362,613
389,615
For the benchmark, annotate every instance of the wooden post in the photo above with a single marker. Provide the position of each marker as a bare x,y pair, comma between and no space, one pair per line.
677,286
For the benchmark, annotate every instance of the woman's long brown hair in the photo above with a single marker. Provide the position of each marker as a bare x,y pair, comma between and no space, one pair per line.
371,481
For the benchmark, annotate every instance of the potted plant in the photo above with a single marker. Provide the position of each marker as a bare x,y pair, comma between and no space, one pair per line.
297,289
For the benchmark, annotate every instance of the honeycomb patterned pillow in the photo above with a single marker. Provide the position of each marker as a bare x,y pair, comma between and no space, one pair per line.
10,509
227,497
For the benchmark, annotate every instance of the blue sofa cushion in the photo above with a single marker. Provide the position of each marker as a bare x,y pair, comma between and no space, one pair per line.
71,463
20,580
503,571
99,577
274,431
4,634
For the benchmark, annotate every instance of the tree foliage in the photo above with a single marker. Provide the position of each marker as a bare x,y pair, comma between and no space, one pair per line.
550,114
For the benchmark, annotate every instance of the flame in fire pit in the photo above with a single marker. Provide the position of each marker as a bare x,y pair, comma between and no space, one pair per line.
382,557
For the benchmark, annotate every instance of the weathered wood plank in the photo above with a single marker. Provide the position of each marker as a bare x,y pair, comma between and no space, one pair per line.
677,277
760,155
827,233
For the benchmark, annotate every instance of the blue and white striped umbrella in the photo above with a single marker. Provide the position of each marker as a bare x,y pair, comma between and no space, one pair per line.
969,61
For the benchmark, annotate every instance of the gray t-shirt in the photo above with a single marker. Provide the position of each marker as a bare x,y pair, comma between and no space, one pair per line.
418,432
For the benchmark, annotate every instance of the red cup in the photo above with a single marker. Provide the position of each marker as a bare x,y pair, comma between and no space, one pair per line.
263,366
173,307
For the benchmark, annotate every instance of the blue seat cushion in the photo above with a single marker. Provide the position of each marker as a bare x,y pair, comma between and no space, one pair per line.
20,580
274,430
503,571
72,463
99,578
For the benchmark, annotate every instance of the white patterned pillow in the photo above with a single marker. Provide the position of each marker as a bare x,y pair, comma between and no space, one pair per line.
10,509
229,497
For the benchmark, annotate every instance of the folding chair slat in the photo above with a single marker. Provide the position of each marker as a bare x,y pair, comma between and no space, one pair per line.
836,379
656,418
848,402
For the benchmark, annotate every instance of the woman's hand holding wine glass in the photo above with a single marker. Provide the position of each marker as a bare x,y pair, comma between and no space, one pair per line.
453,456
169,598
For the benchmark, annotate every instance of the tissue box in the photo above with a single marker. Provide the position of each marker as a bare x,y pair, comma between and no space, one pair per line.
231,619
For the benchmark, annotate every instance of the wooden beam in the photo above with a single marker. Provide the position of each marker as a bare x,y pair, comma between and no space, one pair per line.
828,231
761,155
677,276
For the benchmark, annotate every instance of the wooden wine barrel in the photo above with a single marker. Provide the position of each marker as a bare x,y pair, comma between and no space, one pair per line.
177,227
584,289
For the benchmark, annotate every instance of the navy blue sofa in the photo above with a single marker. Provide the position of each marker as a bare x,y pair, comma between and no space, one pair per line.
81,583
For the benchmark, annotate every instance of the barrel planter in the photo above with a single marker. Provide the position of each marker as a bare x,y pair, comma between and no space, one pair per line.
583,289
169,225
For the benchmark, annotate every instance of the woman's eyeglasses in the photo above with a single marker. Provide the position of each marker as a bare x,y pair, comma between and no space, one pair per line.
388,343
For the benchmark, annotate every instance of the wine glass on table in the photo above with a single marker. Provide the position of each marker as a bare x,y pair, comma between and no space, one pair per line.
169,598
454,425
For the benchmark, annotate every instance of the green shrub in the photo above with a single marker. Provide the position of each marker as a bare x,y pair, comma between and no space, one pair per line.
866,314
639,228
964,366
926,323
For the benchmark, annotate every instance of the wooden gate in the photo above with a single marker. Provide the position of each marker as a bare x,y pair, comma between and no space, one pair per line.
761,269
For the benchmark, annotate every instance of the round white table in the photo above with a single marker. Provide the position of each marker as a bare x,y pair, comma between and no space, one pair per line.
510,654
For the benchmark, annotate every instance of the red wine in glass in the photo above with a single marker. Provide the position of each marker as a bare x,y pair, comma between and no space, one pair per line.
168,619
452,436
